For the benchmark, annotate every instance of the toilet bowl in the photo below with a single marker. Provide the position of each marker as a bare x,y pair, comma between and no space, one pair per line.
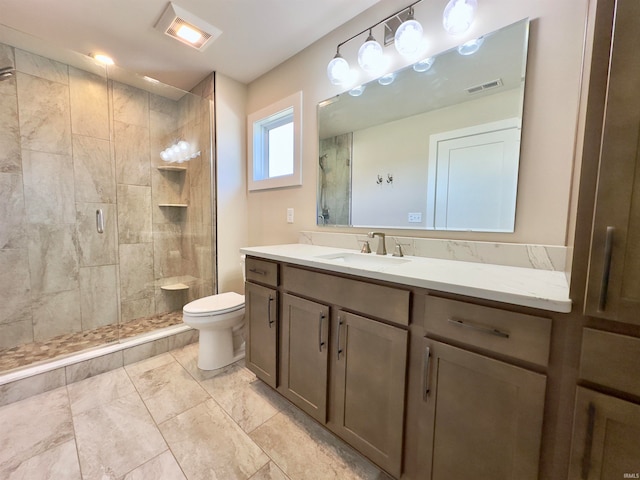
219,319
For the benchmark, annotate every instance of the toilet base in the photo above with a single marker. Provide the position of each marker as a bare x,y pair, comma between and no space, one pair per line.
215,349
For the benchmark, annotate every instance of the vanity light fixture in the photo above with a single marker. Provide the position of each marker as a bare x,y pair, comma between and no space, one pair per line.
458,16
338,69
407,37
370,56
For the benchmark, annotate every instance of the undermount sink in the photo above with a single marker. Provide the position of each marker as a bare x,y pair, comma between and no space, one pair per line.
365,260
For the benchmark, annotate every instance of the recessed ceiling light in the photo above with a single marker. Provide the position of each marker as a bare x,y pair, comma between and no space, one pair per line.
105,59
189,34
185,27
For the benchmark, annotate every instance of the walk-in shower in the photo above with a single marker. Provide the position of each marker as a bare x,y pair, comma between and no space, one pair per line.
100,239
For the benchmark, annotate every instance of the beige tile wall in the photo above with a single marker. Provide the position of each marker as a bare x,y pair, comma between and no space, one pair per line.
72,142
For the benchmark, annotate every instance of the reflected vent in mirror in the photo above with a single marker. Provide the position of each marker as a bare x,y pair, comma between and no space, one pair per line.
485,86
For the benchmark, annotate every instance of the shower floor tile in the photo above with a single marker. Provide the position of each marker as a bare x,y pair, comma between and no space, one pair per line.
63,345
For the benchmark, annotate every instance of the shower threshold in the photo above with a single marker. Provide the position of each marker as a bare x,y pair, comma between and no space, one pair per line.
68,349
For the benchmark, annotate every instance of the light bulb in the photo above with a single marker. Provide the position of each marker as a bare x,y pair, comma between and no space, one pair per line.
338,70
424,65
370,55
183,146
458,16
164,155
357,91
387,79
470,47
408,36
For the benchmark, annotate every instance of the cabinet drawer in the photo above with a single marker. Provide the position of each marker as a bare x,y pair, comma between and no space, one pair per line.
378,301
261,271
608,358
513,334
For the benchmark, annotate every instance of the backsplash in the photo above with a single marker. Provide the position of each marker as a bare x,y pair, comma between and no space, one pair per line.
543,257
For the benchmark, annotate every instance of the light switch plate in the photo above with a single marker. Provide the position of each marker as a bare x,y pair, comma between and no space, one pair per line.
289,215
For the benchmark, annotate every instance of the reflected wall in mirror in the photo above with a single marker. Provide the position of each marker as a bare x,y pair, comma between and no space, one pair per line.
437,148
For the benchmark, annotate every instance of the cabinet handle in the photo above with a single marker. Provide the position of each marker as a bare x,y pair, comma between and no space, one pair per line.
425,373
320,342
606,269
338,336
271,322
99,221
479,328
258,272
588,442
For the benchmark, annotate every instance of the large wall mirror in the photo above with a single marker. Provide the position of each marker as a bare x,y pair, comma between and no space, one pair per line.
435,145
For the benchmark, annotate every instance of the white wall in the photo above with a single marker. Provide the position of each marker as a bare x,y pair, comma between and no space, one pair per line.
406,158
232,225
550,115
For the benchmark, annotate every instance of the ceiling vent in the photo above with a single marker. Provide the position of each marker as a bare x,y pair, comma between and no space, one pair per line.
485,86
185,27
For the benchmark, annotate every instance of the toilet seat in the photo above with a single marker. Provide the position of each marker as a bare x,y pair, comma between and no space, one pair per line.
214,305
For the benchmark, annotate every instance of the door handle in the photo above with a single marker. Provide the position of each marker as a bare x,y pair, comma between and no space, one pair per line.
479,328
320,322
606,270
271,322
425,373
99,221
588,442
339,350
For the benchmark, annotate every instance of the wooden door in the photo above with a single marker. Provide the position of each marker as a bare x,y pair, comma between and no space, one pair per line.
368,387
305,360
482,417
262,327
613,289
606,438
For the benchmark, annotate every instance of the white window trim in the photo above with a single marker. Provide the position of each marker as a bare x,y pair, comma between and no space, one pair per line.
295,179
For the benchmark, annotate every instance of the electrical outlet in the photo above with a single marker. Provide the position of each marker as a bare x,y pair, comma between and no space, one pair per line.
414,217
289,215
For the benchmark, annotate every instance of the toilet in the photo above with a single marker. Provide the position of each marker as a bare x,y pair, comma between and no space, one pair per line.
220,320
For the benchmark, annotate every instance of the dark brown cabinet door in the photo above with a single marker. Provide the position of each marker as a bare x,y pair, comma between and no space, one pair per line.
613,289
480,418
606,438
368,387
261,310
305,359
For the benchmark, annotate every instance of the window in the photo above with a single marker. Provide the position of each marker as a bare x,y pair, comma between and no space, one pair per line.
275,145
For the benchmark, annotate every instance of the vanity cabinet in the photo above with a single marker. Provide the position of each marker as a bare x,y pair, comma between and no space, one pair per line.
261,310
368,387
481,417
305,354
613,127
606,430
343,361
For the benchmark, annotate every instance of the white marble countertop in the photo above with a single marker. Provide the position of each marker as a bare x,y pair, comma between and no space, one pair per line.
542,289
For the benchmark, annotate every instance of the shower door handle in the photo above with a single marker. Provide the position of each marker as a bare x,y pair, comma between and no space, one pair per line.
99,221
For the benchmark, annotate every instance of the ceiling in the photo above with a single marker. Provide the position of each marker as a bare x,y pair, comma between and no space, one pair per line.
257,34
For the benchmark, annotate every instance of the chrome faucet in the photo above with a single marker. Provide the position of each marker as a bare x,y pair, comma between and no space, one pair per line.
382,249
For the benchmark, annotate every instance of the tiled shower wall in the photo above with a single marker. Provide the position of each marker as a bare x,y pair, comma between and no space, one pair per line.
72,142
335,180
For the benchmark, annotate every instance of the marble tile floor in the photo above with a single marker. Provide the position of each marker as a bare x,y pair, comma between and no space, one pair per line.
32,353
164,419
